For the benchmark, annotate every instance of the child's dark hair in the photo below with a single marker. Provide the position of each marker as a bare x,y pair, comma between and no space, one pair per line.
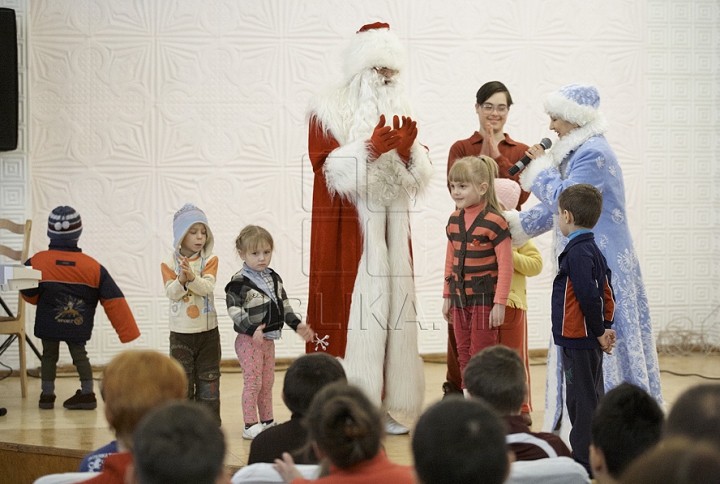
627,422
459,441
181,443
306,376
696,414
584,202
490,88
344,424
251,237
497,375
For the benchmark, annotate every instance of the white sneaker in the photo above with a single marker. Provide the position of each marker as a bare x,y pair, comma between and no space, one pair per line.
268,425
252,431
393,427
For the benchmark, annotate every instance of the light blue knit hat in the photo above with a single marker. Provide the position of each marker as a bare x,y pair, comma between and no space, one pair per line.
185,218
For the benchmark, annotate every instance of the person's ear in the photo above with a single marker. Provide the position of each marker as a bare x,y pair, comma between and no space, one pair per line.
511,459
318,453
597,461
130,475
223,478
482,189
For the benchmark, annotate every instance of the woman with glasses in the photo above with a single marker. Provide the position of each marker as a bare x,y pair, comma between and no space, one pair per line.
492,107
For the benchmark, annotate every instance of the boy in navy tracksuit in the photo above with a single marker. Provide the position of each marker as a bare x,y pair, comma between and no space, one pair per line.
583,307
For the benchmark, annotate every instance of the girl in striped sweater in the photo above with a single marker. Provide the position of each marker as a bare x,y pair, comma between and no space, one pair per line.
478,263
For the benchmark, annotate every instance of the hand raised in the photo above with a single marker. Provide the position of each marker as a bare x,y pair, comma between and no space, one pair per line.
383,139
407,132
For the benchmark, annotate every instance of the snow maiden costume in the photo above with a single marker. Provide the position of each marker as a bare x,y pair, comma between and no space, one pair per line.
585,156
362,295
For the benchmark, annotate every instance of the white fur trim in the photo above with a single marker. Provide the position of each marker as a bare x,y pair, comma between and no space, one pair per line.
346,170
517,234
575,138
534,168
558,105
373,48
382,328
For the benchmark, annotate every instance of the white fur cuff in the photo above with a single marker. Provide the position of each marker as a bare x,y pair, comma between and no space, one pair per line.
517,234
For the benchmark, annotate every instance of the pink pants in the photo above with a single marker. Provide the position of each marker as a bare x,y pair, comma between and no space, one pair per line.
473,333
257,361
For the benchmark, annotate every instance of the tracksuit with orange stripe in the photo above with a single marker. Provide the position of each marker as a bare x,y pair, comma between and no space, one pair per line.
583,307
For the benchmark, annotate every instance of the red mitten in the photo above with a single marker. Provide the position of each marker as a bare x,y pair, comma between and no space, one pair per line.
408,133
383,138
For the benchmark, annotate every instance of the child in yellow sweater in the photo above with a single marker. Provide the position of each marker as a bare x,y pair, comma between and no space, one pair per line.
527,262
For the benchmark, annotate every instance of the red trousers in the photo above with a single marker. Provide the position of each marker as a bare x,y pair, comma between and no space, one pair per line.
512,333
472,332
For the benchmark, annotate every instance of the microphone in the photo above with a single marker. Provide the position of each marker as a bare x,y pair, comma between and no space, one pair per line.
545,142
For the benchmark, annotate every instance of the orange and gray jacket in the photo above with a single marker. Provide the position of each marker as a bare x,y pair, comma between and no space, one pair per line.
72,284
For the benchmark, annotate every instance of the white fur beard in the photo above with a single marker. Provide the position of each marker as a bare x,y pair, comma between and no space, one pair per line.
367,97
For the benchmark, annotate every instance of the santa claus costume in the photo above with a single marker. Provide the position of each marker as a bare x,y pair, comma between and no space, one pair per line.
367,179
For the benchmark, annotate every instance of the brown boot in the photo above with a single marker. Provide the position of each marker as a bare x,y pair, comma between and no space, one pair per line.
81,401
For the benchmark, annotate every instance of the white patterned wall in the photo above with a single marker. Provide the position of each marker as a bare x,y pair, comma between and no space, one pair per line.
139,107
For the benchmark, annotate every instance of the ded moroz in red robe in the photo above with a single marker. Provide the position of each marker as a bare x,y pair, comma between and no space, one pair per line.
362,297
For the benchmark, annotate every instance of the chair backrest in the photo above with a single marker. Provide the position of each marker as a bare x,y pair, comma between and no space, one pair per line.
19,256
551,470
263,473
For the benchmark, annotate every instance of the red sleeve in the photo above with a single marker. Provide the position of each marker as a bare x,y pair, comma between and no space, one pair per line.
503,253
449,257
457,151
320,145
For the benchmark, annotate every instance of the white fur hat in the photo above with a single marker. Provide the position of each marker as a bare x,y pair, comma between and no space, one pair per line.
507,192
374,46
576,103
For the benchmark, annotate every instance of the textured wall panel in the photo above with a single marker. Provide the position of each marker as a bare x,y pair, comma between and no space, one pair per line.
139,107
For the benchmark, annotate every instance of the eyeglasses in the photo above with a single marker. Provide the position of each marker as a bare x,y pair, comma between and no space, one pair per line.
489,108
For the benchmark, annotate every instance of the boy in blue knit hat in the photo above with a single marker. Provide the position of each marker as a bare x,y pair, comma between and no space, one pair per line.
189,275
72,284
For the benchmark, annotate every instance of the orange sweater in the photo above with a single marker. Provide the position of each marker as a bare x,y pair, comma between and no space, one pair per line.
478,261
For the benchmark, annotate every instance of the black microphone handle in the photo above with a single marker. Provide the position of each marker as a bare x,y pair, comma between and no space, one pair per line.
519,165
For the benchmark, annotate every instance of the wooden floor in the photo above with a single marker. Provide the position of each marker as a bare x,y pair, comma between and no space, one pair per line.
71,434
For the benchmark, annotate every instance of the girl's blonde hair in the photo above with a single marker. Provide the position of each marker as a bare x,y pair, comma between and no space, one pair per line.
251,237
477,170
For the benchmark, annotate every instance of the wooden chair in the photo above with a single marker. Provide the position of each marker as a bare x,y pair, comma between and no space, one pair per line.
16,325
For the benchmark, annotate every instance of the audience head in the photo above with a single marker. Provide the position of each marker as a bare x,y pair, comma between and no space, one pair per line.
497,375
181,443
308,375
459,441
676,461
696,414
134,383
627,423
344,425
584,202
